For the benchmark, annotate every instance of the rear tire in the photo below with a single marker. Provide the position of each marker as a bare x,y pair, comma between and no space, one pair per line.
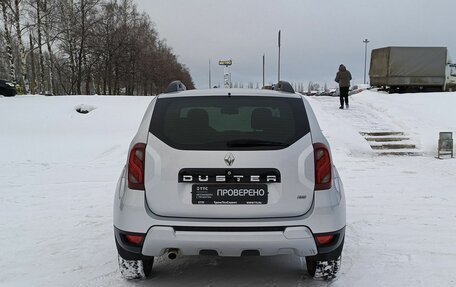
324,270
135,269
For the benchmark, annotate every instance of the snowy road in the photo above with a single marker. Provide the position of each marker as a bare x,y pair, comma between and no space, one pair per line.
59,170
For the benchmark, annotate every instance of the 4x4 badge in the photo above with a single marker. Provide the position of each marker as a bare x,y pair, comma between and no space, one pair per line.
229,159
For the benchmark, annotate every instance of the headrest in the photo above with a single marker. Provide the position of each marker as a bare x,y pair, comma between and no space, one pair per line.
198,116
261,118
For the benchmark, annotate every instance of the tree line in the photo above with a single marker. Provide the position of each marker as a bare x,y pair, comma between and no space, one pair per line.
84,47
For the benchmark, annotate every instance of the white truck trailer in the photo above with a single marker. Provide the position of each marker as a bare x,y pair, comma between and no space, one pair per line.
412,69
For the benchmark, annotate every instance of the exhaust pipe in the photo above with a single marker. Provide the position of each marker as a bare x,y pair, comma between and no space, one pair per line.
173,253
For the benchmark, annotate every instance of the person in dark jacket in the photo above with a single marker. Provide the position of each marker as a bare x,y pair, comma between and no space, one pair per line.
343,78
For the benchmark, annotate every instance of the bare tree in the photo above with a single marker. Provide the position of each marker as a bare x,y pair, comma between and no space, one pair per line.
48,8
90,46
32,63
9,44
22,63
38,9
313,86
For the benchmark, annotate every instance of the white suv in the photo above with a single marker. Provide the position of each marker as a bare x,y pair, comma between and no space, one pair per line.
229,172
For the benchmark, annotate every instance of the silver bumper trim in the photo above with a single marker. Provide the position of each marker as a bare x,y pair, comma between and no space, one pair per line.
293,240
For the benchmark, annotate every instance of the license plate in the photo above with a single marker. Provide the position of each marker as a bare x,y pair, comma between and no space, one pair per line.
230,194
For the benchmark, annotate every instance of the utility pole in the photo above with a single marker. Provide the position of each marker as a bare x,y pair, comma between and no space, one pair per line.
279,60
366,41
210,80
264,62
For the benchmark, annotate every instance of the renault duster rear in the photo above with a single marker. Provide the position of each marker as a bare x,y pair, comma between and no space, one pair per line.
229,172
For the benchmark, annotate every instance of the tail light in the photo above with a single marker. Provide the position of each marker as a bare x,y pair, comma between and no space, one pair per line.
323,173
136,167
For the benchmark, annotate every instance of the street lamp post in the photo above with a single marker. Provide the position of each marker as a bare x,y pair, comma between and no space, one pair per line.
366,41
279,42
264,62
210,76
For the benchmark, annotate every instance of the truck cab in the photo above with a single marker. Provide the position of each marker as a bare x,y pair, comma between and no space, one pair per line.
450,83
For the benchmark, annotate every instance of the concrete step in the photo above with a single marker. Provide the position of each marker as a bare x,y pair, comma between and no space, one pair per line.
399,153
393,146
387,143
386,139
381,134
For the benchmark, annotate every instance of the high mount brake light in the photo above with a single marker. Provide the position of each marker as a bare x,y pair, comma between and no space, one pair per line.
323,172
136,167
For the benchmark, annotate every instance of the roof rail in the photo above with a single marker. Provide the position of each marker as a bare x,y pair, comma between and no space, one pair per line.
283,86
175,86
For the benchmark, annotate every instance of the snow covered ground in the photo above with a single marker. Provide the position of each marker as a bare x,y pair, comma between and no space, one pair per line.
59,169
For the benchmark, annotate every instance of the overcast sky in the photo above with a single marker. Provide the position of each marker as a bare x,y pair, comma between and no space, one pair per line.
317,35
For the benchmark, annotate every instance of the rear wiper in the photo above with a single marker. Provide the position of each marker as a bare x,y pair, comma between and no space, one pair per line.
251,142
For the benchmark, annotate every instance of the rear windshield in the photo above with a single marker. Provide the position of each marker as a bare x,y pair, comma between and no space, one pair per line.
229,123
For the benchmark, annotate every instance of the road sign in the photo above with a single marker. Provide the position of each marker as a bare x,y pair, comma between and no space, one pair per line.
445,144
226,63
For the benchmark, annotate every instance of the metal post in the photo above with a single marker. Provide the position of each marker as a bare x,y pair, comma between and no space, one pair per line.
279,59
227,77
226,73
366,41
210,80
264,62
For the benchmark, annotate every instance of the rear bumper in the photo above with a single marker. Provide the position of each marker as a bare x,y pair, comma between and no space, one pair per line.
293,240
297,240
333,250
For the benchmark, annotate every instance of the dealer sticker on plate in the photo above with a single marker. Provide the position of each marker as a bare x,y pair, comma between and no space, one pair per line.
229,194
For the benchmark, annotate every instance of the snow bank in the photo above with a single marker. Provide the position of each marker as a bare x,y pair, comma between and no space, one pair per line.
423,114
59,170
40,128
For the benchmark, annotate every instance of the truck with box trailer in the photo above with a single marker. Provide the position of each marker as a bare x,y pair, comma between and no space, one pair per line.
412,69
